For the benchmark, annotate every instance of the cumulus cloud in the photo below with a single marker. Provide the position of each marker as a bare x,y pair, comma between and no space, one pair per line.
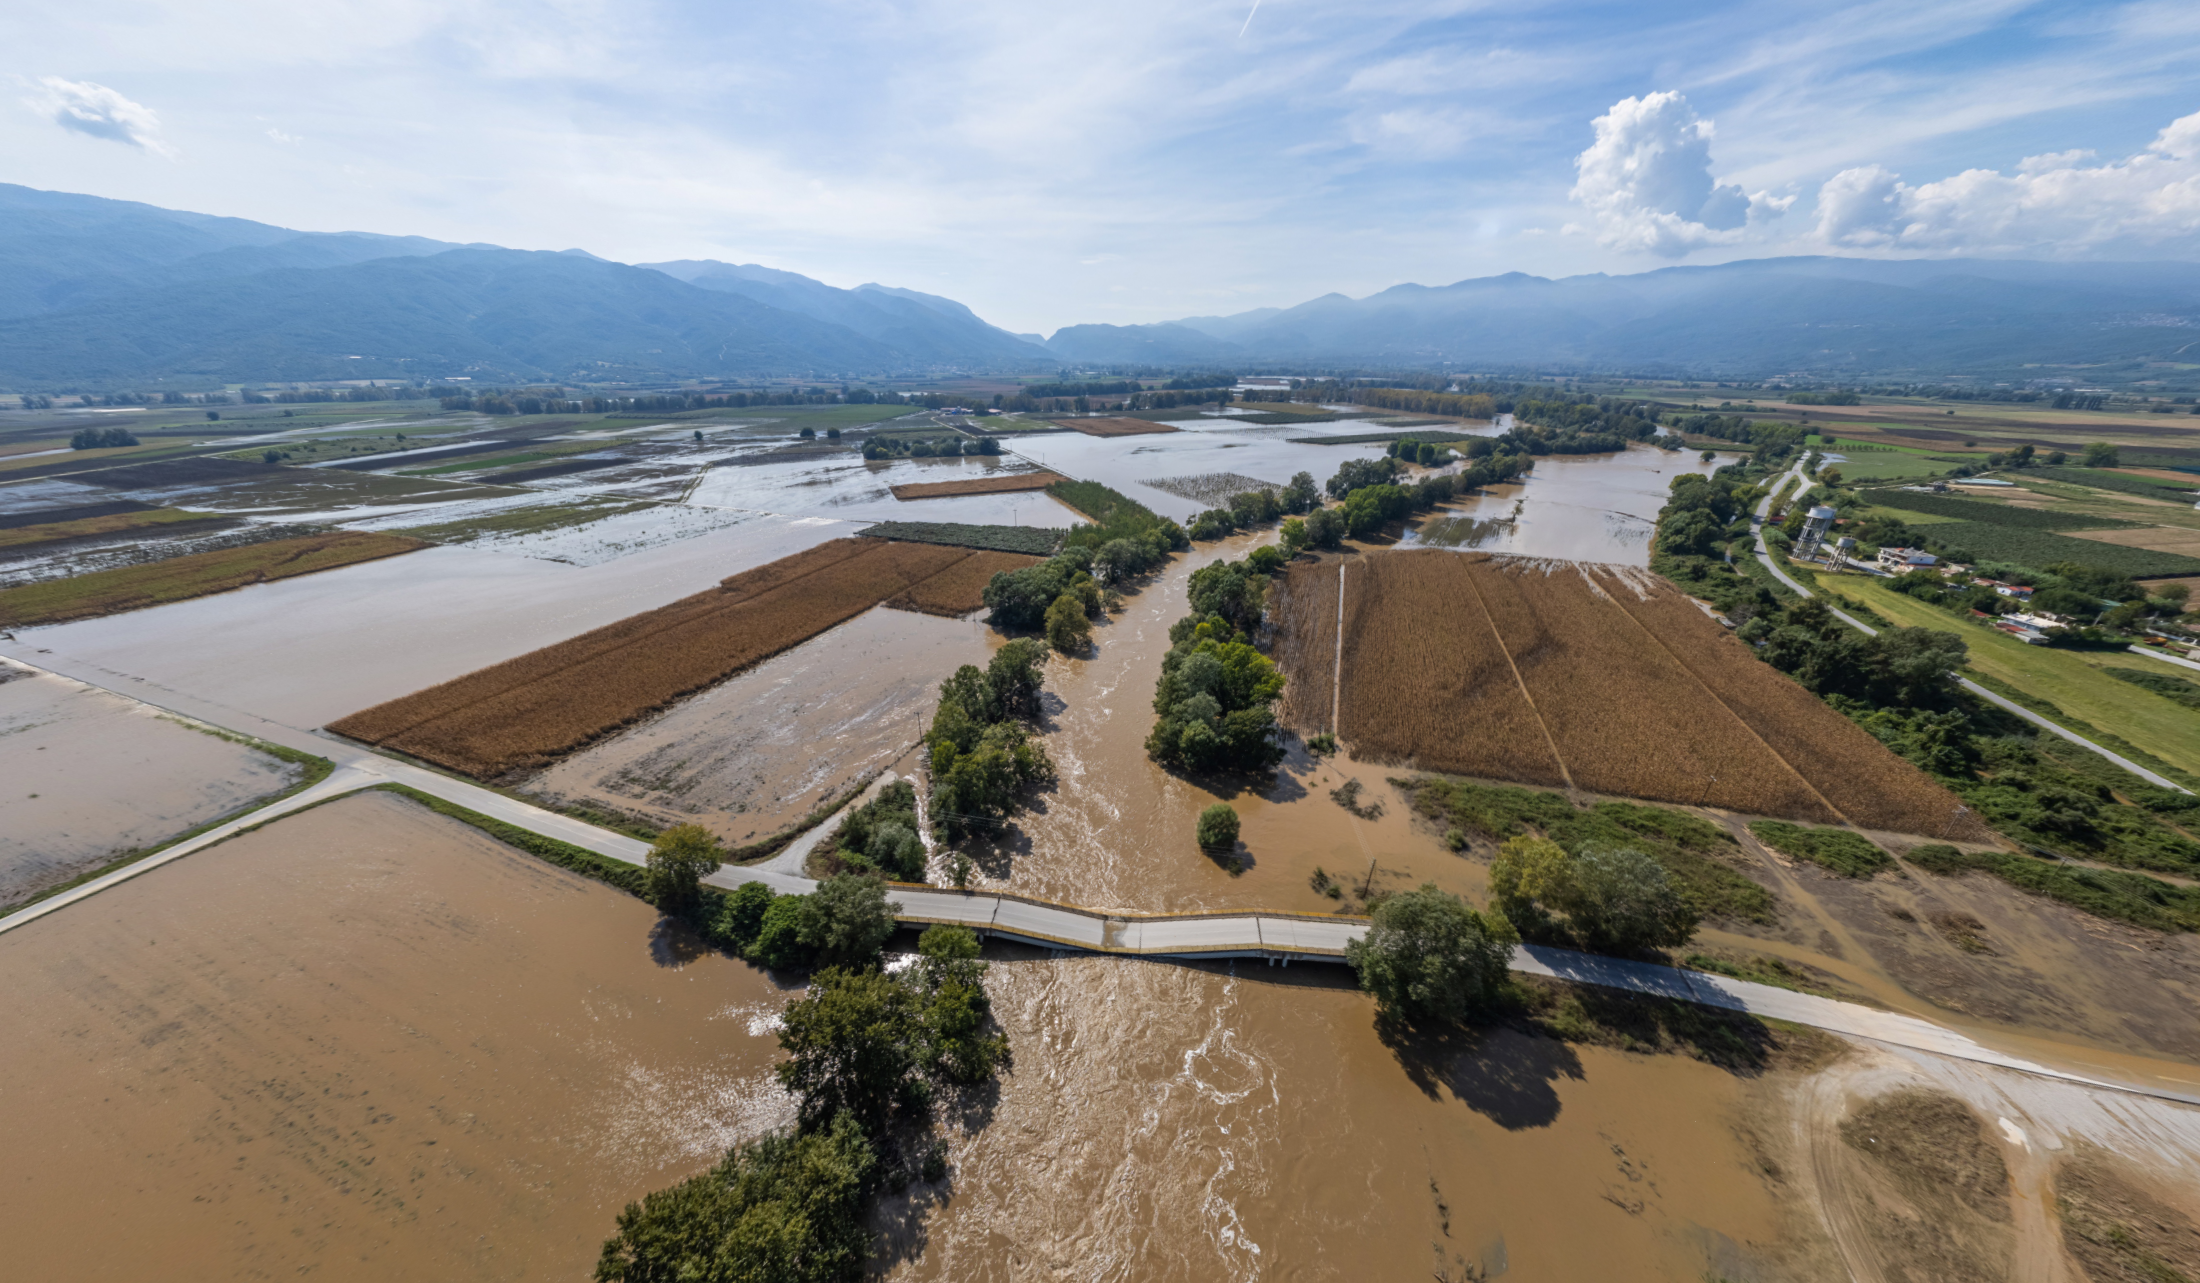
2054,203
1647,183
99,111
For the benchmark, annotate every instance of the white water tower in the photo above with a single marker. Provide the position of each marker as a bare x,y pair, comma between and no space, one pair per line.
1815,526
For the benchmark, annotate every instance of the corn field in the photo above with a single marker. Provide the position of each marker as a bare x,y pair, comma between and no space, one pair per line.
526,712
960,588
1595,677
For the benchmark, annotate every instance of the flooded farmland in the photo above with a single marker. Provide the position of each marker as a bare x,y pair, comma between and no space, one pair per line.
756,753
365,1042
91,775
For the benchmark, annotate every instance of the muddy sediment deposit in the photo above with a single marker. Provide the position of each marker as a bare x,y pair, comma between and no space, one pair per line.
365,1042
92,775
1578,675
756,753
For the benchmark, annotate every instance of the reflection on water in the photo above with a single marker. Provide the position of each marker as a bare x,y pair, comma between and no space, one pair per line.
1597,507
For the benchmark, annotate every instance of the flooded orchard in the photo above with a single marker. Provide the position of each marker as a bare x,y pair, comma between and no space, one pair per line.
363,1042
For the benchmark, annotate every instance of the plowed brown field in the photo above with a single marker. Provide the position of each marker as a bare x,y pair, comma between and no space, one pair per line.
999,483
960,588
528,711
1562,672
1115,427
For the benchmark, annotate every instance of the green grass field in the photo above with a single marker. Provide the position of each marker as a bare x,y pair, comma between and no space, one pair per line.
2071,680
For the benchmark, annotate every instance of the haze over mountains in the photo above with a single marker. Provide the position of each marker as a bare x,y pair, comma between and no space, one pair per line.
103,294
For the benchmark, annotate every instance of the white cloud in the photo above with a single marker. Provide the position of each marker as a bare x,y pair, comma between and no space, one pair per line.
2053,204
1646,181
99,111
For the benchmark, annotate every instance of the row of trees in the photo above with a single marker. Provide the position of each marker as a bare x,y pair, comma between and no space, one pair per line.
869,1055
982,754
899,447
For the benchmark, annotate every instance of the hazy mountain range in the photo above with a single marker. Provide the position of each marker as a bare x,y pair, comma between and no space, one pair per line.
102,294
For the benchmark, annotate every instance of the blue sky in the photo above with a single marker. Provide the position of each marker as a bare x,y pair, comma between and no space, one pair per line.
1051,163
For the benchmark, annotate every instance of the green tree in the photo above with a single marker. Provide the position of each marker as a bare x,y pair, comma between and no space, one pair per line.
1068,631
1428,957
2100,454
848,921
678,861
784,1209
1294,537
779,944
1325,528
1218,827
740,917
958,1048
851,1045
1608,899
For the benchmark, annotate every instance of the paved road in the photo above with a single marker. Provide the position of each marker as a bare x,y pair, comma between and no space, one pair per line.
1277,938
1764,555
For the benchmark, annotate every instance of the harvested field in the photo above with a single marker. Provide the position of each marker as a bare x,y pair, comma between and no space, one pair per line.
110,592
1564,673
998,483
1115,427
529,711
959,589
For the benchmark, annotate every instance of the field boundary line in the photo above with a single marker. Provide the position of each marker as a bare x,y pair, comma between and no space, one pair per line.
1548,739
1336,678
1728,709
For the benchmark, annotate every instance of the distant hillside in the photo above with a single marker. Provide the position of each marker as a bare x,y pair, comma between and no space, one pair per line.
496,314
1832,316
922,326
100,293
1163,344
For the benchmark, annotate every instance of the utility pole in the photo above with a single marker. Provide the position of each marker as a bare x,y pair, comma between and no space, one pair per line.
1368,885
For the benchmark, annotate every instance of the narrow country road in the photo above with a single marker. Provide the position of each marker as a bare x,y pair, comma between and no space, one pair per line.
1764,555
1275,937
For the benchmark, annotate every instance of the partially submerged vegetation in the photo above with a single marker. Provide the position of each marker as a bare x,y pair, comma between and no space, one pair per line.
111,592
1216,696
1693,851
1036,541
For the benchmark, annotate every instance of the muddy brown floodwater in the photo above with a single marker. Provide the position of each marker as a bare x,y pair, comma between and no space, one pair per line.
90,775
1117,830
1205,1123
365,1042
759,751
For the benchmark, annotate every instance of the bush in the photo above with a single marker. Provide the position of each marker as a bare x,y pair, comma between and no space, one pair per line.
678,862
1428,957
1218,827
1849,854
778,942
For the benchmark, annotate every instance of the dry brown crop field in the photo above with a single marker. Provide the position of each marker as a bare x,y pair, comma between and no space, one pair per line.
1114,427
999,483
1604,678
526,712
110,592
1302,608
960,588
